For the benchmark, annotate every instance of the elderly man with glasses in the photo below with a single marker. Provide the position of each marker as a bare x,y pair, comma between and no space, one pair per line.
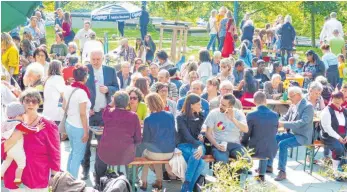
164,77
225,88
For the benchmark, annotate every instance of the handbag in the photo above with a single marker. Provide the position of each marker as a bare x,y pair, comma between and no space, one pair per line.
63,121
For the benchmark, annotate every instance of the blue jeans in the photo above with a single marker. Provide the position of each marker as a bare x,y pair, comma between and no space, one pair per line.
262,166
194,166
78,148
285,141
221,43
212,42
233,149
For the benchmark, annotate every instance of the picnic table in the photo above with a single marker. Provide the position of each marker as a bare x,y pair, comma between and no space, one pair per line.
298,78
271,101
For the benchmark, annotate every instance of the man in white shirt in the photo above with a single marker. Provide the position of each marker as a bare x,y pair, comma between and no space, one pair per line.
41,24
83,34
328,28
91,45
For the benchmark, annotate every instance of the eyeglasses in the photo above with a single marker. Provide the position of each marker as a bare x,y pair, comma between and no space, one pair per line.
134,98
41,55
33,101
224,89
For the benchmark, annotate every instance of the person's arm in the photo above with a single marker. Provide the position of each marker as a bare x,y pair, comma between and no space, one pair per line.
307,116
137,134
53,145
183,131
83,116
9,143
267,90
13,61
239,119
325,120
146,135
322,34
246,136
287,115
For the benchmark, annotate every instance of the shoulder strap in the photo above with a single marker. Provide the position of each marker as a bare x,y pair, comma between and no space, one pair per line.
68,102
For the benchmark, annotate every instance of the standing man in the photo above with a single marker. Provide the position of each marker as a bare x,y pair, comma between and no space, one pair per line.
102,83
83,34
144,20
121,25
261,136
299,124
41,24
59,19
329,27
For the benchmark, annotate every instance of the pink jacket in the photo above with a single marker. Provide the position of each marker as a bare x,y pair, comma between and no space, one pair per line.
42,152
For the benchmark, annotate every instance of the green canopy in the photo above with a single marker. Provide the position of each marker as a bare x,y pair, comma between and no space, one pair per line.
14,13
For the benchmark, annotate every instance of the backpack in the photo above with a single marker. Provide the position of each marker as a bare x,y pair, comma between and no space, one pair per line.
114,182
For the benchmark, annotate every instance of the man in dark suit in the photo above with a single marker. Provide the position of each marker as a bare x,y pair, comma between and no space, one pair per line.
102,83
144,20
261,136
299,124
124,75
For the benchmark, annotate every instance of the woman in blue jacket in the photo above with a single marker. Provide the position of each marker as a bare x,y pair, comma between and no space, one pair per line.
246,54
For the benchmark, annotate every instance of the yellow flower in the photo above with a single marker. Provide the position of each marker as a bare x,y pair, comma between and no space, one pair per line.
286,84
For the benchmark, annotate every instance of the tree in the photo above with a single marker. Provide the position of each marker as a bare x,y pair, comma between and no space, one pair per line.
177,6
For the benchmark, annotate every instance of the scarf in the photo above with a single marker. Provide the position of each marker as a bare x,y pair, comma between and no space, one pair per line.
336,109
341,129
78,84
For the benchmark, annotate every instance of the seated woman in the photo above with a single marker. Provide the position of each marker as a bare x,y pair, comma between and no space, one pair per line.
277,69
313,68
246,54
159,134
136,103
274,90
249,85
190,140
163,90
333,133
226,72
212,89
327,89
314,96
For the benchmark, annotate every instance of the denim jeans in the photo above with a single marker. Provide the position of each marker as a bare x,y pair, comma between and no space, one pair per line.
335,146
212,42
194,166
233,149
285,141
221,43
289,54
78,148
262,166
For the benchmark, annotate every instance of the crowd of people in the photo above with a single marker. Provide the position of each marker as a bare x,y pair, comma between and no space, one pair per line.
149,107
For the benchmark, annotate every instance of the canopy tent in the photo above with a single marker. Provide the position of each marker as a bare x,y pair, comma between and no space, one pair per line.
14,13
116,12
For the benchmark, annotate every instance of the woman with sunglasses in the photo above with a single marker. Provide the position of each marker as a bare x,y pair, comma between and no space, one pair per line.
136,103
42,149
190,140
163,90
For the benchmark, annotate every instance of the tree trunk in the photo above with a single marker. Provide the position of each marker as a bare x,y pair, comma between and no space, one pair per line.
236,12
313,31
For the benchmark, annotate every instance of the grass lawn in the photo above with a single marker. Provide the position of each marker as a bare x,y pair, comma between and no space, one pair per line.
194,42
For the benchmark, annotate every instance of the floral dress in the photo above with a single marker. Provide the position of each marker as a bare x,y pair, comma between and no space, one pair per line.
311,68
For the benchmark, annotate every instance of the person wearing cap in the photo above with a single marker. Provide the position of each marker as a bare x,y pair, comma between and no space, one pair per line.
337,43
329,27
90,46
34,30
174,78
260,73
83,34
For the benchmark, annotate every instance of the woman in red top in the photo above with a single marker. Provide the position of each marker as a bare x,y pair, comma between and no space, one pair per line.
66,28
229,42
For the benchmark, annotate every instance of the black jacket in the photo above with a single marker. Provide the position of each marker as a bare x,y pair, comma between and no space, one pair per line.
189,129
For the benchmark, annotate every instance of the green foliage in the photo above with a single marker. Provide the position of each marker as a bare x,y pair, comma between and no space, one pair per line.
49,6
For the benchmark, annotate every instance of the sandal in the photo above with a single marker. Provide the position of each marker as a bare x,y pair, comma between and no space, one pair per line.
143,186
158,185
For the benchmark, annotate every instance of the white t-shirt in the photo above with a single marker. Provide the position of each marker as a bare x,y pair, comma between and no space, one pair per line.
205,71
52,108
6,97
100,98
83,36
73,113
213,26
90,46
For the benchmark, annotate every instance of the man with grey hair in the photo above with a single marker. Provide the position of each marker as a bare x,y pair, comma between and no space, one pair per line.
287,36
337,43
102,83
261,136
299,125
329,27
33,75
248,32
217,56
127,52
41,24
226,87
72,48
164,77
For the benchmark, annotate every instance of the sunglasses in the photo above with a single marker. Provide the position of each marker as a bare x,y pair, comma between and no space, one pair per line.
134,98
33,101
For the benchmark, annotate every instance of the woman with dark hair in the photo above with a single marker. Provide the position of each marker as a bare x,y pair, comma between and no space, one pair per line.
53,92
313,68
136,103
249,85
67,28
164,62
59,48
205,67
277,69
142,84
41,56
140,49
231,33
26,53
163,90
150,48
246,54
257,48
212,89
190,140
77,98
331,65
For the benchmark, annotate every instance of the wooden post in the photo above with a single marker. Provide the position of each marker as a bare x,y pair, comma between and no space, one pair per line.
173,45
185,41
180,43
161,37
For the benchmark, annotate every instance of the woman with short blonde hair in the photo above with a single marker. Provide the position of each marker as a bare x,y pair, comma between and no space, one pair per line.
154,102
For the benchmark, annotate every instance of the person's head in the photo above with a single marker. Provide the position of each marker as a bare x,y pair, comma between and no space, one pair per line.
96,58
148,38
193,75
40,55
197,87
239,66
121,99
300,64
344,91
337,99
59,38
25,45
125,68
250,80
191,105
259,98
137,63
315,90
162,89
226,66
230,15
38,15
227,101
80,74
27,35
144,70
124,42
222,10
217,56
321,79
139,42
246,16
60,12
276,80
31,99
16,39
204,56
73,60
212,84
333,15
34,72
55,68
67,17
243,49
154,69
288,19
214,13
162,57
325,48
86,25
295,94
277,67
191,66
143,85
6,41
255,61
15,110
341,58
291,60
154,102
260,66
226,87
135,95
326,18
311,56
163,76
72,47
249,22
92,35
33,21
267,26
